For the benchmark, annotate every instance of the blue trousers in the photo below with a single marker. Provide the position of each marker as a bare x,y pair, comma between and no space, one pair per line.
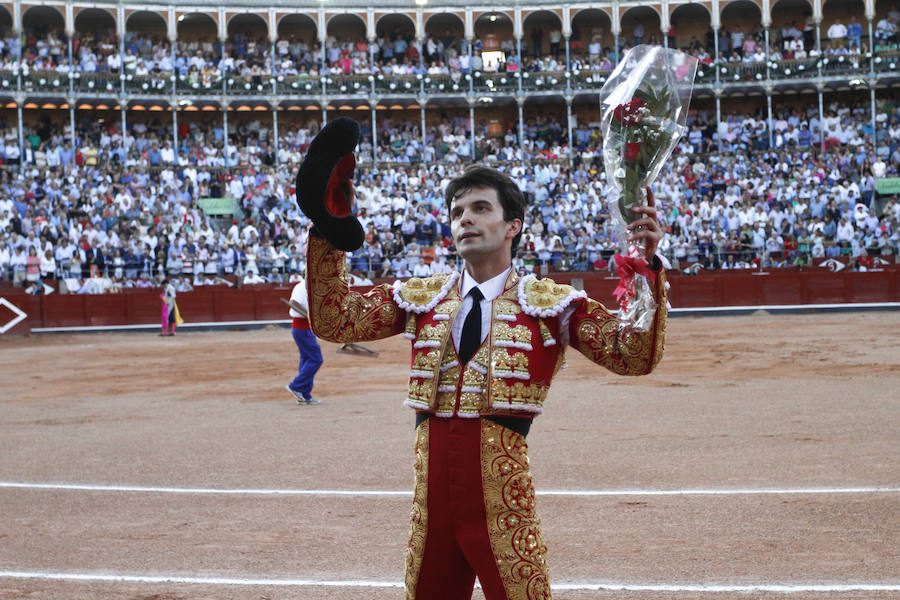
310,361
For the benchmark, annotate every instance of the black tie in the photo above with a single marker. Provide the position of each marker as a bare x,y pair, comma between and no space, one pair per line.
471,333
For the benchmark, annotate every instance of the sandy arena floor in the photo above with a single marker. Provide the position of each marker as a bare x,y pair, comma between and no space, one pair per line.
764,451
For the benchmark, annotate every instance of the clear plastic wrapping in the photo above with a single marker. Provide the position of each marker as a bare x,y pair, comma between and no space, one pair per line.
644,106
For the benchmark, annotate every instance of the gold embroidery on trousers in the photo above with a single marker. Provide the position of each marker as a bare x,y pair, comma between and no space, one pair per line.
513,525
418,518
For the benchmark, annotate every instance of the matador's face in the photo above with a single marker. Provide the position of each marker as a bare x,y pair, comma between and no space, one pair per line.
477,225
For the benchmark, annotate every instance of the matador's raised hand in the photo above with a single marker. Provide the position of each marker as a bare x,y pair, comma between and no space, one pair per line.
325,191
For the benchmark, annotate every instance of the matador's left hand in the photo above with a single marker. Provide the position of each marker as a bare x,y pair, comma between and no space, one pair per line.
647,227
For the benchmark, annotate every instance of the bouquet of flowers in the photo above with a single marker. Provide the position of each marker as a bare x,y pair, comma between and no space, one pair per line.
644,106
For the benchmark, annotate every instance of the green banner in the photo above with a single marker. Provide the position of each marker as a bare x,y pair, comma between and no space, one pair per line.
888,185
217,206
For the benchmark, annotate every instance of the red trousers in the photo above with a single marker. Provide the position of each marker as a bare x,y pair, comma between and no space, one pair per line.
474,515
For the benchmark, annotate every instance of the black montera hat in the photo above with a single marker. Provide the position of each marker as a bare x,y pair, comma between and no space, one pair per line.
324,189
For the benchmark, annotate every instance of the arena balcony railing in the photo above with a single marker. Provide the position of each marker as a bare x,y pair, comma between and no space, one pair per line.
299,85
491,82
395,84
886,62
245,85
534,81
41,82
345,85
843,65
706,74
586,79
160,83
152,84
443,83
193,83
95,83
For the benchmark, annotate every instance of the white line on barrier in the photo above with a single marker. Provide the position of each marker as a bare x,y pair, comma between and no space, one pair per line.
787,307
193,580
380,493
849,306
785,588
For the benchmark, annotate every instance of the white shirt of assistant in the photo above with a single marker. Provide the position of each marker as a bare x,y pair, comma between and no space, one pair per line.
298,295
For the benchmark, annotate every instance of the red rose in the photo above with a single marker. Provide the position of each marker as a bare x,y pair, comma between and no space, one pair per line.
632,149
629,114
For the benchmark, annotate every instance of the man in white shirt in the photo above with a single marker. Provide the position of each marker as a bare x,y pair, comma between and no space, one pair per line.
884,31
837,32
421,269
167,154
310,352
844,230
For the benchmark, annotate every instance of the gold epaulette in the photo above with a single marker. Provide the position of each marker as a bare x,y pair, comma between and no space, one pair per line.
421,294
545,297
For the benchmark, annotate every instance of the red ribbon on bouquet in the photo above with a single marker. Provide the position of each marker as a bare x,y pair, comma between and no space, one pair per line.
627,267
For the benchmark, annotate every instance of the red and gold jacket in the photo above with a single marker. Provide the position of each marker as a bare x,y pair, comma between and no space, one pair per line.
510,373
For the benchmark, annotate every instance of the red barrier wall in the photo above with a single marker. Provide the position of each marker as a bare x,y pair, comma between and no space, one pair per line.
262,303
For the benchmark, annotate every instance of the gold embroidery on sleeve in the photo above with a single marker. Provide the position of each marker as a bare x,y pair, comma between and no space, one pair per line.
338,314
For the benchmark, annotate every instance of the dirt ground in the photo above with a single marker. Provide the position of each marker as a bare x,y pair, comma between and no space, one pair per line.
779,406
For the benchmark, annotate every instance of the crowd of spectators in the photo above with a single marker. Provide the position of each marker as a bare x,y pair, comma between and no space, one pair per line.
125,210
253,59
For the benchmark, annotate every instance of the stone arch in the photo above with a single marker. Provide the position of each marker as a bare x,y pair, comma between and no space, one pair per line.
787,14
248,25
41,20
493,27
6,20
395,24
690,25
192,27
446,28
346,27
144,30
146,22
589,24
298,26
93,19
740,16
536,28
439,23
731,13
636,18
